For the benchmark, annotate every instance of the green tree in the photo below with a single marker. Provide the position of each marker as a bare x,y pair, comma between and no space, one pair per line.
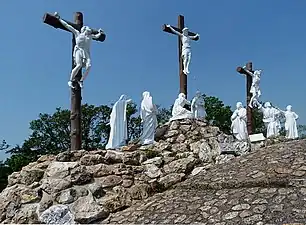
163,114
217,114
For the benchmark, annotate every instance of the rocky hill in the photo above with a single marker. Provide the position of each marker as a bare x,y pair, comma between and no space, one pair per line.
173,181
264,187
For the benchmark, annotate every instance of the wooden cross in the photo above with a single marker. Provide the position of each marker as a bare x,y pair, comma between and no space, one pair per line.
76,95
241,70
183,77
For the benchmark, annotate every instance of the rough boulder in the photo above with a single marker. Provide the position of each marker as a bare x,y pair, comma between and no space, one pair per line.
87,187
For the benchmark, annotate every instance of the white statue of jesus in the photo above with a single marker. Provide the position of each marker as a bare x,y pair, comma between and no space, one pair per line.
186,47
81,51
255,89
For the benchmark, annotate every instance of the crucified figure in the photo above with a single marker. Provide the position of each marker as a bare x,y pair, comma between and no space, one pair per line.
186,47
81,51
255,90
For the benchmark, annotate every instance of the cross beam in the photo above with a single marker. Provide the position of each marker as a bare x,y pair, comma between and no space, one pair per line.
76,95
54,22
241,70
183,77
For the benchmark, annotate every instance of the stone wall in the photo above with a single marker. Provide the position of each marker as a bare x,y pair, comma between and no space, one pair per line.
86,187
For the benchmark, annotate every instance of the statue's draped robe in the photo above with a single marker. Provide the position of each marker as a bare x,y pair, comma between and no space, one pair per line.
271,120
118,123
239,127
290,125
178,111
197,107
149,119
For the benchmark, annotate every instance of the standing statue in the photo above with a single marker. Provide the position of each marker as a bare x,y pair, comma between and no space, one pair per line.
197,106
118,123
239,123
178,110
81,51
290,124
255,89
271,119
186,47
148,119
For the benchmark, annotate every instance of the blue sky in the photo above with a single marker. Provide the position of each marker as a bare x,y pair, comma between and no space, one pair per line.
137,55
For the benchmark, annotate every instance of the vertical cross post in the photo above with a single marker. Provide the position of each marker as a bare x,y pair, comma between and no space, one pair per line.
183,77
249,67
76,97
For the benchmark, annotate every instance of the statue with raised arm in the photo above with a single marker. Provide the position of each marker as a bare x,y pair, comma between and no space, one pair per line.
271,119
186,47
81,51
290,123
255,89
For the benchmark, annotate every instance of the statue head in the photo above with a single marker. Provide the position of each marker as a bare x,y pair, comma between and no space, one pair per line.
198,94
185,30
289,108
146,94
257,72
268,105
122,98
182,95
238,105
86,30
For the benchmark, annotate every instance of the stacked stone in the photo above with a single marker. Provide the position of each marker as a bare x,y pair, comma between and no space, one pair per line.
85,187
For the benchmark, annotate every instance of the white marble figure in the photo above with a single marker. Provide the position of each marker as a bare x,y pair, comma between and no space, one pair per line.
239,123
118,123
255,88
290,123
197,106
186,47
148,118
271,119
81,51
178,111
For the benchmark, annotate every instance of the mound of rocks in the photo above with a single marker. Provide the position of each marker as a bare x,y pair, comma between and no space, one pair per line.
87,186
263,187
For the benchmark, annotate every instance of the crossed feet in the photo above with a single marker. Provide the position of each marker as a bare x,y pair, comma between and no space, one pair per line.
70,84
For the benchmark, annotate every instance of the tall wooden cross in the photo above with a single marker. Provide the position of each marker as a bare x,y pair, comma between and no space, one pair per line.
183,77
241,70
76,95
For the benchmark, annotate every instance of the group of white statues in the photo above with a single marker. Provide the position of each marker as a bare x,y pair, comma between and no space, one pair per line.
271,118
148,114
118,120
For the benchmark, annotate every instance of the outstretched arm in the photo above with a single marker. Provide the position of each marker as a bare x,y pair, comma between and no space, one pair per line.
97,36
194,37
174,31
248,72
66,25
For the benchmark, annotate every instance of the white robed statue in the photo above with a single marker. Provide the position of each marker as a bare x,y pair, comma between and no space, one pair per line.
290,123
118,123
239,119
148,118
271,119
197,106
178,111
